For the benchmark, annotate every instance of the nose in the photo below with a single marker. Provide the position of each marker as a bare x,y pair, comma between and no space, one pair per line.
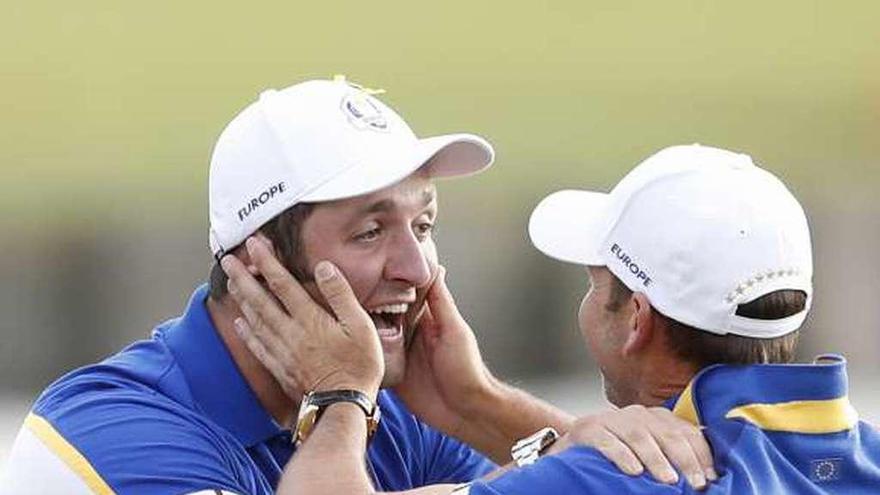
408,262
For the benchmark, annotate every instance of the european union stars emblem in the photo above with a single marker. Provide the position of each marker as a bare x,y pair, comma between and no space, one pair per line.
824,470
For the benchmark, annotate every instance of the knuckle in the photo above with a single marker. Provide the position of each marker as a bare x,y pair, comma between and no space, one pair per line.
604,443
673,443
695,438
634,411
613,450
636,436
661,412
276,284
635,408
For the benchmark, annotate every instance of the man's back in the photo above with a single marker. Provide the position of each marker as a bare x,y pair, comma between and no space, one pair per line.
774,429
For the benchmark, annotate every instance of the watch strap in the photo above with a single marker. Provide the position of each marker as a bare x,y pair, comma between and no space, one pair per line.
314,404
324,399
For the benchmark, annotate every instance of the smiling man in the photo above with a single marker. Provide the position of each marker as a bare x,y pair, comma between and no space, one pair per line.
319,170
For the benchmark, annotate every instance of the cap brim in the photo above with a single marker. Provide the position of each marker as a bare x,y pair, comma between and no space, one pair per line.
570,226
442,156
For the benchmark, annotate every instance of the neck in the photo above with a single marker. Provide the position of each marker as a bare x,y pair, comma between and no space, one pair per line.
662,378
269,393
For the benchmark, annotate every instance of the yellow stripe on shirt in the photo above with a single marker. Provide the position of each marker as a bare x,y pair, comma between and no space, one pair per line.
802,416
67,453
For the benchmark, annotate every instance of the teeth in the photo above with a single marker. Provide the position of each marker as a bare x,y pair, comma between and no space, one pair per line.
391,309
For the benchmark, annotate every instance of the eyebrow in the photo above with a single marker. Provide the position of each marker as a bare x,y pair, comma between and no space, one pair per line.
385,205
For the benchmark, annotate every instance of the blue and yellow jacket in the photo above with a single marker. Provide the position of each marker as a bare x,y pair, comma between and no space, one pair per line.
774,429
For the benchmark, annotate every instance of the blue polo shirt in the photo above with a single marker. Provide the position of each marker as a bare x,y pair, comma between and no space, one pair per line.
173,414
774,429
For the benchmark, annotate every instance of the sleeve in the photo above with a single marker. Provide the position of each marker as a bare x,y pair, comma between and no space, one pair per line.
123,442
577,470
451,461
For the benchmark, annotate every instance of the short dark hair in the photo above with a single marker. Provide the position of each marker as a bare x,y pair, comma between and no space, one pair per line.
703,348
285,232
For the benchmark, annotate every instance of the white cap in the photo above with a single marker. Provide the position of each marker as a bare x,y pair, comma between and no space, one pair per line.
698,230
319,141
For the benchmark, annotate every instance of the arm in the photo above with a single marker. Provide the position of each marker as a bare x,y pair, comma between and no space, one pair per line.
448,385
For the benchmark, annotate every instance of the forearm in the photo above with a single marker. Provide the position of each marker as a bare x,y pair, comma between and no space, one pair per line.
332,459
504,414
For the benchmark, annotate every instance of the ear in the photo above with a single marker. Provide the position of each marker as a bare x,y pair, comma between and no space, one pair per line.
641,325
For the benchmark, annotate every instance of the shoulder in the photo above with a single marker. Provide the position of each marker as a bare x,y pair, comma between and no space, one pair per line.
576,470
113,427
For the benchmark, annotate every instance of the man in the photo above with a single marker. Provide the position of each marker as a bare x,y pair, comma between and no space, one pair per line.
701,271
320,170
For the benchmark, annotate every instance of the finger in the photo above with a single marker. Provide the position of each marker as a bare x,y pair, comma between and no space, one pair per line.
635,435
703,450
666,429
282,284
621,455
679,452
418,309
244,288
268,336
691,434
259,350
339,296
427,327
441,302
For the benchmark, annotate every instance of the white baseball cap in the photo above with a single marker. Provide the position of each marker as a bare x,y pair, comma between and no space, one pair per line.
698,230
319,140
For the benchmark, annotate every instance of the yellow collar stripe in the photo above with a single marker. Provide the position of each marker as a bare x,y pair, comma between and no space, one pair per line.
803,416
67,453
685,408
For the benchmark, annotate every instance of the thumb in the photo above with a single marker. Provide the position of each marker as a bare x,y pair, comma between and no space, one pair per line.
338,294
428,331
441,303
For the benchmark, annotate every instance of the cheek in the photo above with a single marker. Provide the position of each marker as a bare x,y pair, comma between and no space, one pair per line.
588,321
362,270
363,273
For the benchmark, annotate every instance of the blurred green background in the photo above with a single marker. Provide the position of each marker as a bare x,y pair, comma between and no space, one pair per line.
110,110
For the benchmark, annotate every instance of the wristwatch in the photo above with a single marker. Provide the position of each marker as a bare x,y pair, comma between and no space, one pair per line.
527,450
314,403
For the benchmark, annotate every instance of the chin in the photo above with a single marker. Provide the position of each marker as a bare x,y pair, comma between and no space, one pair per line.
611,394
395,367
393,376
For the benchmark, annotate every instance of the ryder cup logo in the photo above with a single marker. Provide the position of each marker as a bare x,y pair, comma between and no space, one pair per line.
363,113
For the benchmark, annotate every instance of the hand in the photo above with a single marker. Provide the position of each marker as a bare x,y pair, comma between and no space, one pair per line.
444,369
636,437
300,343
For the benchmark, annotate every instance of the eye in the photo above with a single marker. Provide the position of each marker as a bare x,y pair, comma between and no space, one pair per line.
424,230
369,235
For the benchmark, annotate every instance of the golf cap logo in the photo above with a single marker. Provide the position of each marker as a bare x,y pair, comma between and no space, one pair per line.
363,113
260,199
631,265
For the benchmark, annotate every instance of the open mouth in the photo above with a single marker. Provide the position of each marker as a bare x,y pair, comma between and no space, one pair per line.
389,320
